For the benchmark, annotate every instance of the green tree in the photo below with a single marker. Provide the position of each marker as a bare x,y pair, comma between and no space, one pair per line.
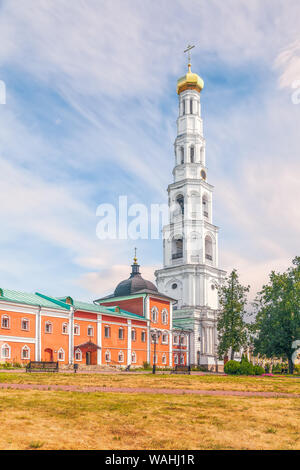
278,314
232,329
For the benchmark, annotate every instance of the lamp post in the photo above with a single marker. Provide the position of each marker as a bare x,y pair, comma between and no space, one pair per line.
155,334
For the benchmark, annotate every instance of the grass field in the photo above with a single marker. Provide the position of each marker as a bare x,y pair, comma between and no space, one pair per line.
31,419
207,382
63,420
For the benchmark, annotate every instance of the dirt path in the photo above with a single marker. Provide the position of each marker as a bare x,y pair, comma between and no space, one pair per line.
168,391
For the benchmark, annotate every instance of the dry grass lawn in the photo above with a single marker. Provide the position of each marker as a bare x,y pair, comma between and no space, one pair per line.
192,382
63,420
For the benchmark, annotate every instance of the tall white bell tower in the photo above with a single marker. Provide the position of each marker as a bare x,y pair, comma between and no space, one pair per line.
191,268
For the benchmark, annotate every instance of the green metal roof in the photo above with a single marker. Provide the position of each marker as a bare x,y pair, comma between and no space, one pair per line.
95,308
30,299
46,301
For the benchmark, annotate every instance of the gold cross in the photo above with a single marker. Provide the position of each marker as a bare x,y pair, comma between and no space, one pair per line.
188,49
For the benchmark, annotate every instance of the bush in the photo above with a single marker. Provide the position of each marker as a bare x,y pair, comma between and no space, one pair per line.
232,367
246,368
297,368
146,365
259,370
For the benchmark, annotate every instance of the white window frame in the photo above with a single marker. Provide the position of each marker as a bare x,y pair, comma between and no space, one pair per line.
5,317
133,357
108,327
5,346
25,348
78,351
162,338
154,314
175,341
176,359
133,334
120,353
61,350
27,322
143,333
62,329
181,359
164,359
76,326
90,327
166,314
121,329
109,355
49,323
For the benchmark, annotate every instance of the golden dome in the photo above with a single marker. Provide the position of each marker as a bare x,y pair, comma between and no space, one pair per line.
190,81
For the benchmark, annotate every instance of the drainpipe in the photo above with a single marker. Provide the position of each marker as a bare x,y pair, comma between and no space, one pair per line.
38,346
71,335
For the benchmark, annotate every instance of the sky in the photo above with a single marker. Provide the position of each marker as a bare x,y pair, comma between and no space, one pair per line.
90,115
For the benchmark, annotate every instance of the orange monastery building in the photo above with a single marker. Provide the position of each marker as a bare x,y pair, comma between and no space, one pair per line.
122,329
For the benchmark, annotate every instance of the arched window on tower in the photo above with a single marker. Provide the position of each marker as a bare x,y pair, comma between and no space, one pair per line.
177,248
181,155
180,201
205,206
183,107
208,248
191,106
192,154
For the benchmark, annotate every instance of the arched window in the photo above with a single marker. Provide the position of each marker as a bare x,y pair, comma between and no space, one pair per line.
133,357
182,359
154,314
143,336
133,335
208,248
76,330
106,331
164,316
176,359
25,352
121,356
177,248
205,206
121,333
181,155
180,202
65,328
175,339
90,331
192,154
5,351
78,355
107,356
164,359
61,354
48,327
25,324
183,107
5,321
191,106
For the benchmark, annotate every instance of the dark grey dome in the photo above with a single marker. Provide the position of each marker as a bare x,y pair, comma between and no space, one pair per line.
134,283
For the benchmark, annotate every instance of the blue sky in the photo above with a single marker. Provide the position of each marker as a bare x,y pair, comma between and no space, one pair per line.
90,115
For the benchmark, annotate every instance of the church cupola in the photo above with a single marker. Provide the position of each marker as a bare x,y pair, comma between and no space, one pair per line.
135,283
